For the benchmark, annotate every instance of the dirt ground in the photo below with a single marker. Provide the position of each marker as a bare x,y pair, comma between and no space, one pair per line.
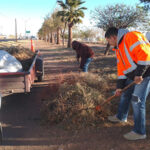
20,113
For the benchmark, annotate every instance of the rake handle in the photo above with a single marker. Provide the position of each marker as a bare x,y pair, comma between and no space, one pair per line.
99,107
128,86
123,90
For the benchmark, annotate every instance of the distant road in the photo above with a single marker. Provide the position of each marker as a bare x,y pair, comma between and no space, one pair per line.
2,40
5,40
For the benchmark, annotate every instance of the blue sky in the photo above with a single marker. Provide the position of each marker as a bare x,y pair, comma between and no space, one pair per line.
30,13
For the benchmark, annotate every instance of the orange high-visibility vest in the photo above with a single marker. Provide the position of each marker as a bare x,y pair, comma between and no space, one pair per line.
134,49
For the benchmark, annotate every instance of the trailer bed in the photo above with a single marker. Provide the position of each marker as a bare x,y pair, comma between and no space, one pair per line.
19,82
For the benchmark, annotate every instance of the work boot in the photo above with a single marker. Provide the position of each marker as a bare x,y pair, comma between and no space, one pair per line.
115,119
134,136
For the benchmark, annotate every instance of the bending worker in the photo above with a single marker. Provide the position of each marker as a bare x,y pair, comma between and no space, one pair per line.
133,64
86,54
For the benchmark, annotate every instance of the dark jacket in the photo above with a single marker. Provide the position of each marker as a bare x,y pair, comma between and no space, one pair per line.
82,51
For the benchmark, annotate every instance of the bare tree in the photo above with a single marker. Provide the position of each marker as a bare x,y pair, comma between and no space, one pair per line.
87,33
145,1
146,4
120,16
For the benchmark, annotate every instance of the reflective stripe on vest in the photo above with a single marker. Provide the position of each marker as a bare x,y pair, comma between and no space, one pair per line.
143,62
122,77
137,43
116,57
133,65
121,57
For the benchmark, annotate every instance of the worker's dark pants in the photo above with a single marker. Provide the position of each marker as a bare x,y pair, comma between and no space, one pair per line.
137,96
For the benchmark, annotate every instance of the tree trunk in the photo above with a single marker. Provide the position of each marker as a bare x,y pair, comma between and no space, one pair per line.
63,35
63,39
49,39
45,38
69,35
107,49
58,35
52,37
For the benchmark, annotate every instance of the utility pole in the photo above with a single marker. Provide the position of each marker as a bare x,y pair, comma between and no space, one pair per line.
16,29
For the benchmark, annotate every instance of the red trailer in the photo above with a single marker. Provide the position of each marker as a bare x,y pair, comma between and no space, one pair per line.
20,82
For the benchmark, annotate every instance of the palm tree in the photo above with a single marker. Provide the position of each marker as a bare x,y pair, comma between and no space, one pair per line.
72,12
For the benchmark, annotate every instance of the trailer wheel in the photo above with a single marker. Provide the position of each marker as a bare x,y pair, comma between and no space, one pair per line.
39,69
40,78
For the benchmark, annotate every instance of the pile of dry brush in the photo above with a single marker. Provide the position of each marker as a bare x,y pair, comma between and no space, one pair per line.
24,55
72,103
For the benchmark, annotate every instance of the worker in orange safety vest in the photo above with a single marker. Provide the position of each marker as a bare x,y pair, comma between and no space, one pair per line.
133,64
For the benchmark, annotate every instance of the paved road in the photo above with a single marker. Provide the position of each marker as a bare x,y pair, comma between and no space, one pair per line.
20,116
20,113
5,40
